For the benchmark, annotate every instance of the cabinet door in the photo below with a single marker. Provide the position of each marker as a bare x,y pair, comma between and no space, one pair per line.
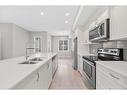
105,81
28,83
118,22
56,62
80,64
45,76
102,81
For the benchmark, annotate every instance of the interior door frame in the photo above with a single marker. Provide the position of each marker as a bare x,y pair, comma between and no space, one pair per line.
40,42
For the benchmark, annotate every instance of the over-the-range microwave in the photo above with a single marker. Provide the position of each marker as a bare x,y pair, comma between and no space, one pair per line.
100,32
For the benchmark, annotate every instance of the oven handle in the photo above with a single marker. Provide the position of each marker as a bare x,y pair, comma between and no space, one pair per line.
88,63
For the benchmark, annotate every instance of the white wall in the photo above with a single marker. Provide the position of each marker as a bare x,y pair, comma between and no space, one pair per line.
43,35
0,47
48,42
82,49
55,45
6,38
13,40
20,38
60,33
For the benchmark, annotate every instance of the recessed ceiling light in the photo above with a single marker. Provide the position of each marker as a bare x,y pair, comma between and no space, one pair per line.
67,14
66,21
42,13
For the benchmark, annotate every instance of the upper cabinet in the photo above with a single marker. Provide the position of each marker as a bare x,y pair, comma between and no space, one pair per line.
101,17
118,16
118,22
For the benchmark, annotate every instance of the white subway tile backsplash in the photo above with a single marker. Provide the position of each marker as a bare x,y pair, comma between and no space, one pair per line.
111,44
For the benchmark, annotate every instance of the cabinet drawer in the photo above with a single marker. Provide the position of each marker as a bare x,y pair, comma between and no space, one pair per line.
103,81
116,78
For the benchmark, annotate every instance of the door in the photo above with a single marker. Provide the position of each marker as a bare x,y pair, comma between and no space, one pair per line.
37,43
75,65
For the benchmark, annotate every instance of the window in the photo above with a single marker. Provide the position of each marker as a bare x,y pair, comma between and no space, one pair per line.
64,45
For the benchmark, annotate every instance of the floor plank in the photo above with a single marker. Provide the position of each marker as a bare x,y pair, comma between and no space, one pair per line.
66,77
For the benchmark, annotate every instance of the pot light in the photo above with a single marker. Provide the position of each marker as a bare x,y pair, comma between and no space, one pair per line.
66,21
42,13
67,14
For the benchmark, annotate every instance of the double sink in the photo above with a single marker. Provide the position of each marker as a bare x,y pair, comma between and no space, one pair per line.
33,61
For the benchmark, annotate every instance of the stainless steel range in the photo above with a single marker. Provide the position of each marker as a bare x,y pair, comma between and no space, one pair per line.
89,64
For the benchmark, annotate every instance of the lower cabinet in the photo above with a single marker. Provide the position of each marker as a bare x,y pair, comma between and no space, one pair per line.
104,82
31,82
45,76
108,79
80,64
40,79
54,64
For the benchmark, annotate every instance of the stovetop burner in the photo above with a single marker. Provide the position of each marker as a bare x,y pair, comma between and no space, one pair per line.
106,54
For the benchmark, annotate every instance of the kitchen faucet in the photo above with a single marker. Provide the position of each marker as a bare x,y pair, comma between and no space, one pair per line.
27,52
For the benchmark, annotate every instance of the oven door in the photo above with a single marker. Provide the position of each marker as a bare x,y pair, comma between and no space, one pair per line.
89,72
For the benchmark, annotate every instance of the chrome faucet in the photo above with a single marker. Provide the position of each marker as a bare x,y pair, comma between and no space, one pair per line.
27,52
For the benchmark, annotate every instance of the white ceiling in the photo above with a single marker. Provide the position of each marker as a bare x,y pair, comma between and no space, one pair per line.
29,17
87,13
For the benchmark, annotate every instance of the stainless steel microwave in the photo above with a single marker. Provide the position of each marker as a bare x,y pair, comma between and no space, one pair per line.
100,32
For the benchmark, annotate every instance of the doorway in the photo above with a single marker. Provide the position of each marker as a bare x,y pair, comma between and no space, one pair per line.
37,43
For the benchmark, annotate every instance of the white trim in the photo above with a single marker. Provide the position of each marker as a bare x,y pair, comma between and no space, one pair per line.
63,50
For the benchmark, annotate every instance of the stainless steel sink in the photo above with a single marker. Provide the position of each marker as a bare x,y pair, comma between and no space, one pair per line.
36,59
33,61
29,62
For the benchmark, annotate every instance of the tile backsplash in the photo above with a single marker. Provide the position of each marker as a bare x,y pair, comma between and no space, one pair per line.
110,44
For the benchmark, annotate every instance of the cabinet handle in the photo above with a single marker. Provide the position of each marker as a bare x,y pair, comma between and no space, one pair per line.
113,76
38,76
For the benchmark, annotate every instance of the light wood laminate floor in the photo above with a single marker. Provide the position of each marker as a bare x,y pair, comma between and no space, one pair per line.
66,77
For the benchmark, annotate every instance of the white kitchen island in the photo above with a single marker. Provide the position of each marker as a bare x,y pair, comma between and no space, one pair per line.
26,76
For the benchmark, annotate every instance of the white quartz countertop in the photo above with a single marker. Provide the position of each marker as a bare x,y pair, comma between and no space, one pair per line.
119,67
11,72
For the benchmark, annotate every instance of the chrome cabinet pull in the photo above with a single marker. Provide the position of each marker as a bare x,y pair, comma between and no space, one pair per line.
113,76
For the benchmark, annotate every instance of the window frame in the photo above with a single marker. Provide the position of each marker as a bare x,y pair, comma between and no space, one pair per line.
63,45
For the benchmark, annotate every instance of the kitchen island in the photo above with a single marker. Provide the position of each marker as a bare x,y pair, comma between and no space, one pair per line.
26,76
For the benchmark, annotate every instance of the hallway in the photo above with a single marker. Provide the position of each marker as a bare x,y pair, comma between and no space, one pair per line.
66,77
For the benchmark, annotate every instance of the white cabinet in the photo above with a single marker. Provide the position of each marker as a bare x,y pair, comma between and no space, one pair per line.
103,81
31,82
54,64
45,76
40,79
108,79
118,16
104,15
80,64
